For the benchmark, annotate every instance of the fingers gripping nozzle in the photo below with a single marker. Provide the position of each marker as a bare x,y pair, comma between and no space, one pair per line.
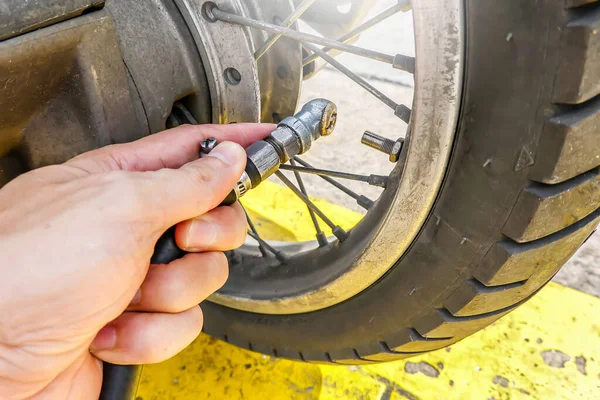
293,136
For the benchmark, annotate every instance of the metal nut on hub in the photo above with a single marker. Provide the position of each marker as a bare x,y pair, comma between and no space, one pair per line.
286,143
302,132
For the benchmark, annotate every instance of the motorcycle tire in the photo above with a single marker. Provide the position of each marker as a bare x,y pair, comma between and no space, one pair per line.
520,196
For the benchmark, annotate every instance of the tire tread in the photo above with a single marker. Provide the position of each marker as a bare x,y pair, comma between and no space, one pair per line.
578,78
542,209
570,144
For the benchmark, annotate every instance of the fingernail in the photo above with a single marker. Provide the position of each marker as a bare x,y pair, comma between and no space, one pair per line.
200,234
136,299
228,152
105,339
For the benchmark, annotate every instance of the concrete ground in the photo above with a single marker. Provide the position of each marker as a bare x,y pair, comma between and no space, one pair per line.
360,111
582,271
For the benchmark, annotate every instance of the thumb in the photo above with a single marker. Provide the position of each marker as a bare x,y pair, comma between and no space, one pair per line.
198,186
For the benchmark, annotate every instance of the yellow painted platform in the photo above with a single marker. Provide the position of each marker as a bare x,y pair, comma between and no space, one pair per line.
547,349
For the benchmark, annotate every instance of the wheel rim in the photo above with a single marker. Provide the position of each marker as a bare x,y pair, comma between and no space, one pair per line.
322,277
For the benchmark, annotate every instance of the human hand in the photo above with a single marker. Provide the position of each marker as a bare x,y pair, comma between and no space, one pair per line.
75,245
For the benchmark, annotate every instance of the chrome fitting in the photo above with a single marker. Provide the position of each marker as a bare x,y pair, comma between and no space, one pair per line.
293,136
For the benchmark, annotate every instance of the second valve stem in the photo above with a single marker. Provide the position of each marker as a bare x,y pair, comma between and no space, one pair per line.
385,145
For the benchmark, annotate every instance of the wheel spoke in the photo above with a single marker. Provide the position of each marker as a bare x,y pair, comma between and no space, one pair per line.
278,254
336,229
321,238
400,110
403,5
262,249
373,180
399,61
289,21
361,200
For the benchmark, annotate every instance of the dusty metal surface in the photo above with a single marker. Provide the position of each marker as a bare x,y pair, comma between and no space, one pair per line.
78,93
227,54
162,61
20,16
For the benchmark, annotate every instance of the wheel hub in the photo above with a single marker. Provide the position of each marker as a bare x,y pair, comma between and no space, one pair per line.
329,274
243,89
